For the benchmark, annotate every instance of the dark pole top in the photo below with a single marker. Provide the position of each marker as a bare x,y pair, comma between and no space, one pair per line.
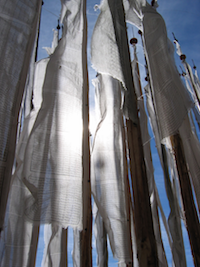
133,41
183,57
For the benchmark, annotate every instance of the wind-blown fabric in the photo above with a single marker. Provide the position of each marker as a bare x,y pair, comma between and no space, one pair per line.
18,25
54,44
52,168
109,54
55,238
133,11
190,78
101,238
17,245
104,42
108,169
196,107
192,84
171,98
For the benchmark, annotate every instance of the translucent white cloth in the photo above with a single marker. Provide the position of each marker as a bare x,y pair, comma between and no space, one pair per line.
133,12
109,51
76,254
18,25
101,238
108,169
52,168
54,44
55,254
16,245
104,49
192,82
178,48
171,98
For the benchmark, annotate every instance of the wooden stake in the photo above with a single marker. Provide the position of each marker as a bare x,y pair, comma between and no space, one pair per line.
86,234
191,216
64,258
128,193
146,244
34,245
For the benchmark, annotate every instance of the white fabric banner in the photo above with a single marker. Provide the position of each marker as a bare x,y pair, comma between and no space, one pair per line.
108,169
55,254
170,96
101,238
15,224
52,168
133,10
18,26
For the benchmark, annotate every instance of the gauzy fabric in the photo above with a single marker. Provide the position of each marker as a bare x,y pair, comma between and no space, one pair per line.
170,96
108,165
18,26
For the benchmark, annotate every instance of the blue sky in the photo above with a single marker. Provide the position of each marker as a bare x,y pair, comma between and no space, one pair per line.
181,17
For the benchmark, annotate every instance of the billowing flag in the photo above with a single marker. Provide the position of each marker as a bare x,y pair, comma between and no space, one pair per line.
108,169
52,170
170,97
18,26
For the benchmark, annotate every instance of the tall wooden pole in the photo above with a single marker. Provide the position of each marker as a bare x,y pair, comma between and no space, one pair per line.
168,186
129,208
154,208
64,258
146,244
145,238
86,234
191,216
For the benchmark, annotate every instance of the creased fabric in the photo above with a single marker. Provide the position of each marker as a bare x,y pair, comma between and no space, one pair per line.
108,164
18,26
191,80
133,11
76,253
55,253
109,54
101,238
54,44
52,169
16,248
104,50
171,99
